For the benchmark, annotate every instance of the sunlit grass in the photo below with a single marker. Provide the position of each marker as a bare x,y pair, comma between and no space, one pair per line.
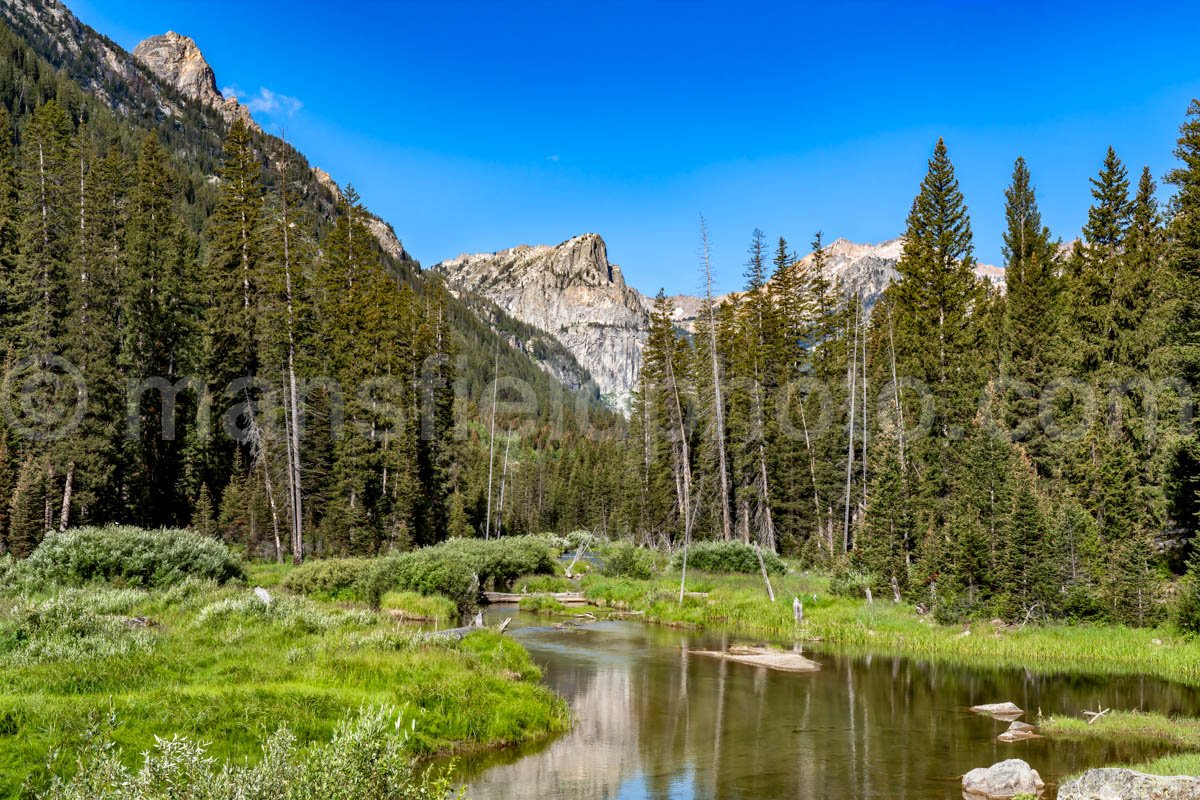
218,666
1175,733
740,602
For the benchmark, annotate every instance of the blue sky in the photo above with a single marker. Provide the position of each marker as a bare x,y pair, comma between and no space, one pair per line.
477,126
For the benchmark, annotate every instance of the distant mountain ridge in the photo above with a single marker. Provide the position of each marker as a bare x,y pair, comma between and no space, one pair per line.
573,293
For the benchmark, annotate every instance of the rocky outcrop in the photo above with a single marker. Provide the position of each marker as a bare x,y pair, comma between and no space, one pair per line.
1125,784
386,236
572,292
177,60
382,231
1002,781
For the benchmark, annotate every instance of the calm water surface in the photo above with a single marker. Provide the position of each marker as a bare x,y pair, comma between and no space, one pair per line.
656,722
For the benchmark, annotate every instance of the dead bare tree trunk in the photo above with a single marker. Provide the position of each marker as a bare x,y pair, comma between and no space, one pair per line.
487,525
762,565
503,480
64,518
291,403
865,428
718,399
896,390
851,380
687,539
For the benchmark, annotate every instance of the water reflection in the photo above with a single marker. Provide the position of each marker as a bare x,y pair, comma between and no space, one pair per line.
656,722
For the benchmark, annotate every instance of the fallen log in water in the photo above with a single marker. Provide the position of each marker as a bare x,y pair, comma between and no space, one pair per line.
458,633
783,660
566,598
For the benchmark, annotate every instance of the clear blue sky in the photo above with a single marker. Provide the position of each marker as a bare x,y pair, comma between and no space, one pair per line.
477,126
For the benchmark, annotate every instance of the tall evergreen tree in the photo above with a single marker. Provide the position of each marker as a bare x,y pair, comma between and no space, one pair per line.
932,302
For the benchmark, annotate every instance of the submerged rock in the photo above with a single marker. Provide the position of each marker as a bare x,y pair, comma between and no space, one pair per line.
1004,711
1001,781
1019,732
784,660
1125,784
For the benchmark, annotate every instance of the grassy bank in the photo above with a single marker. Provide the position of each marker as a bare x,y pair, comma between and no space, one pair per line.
120,661
740,603
1171,733
1176,733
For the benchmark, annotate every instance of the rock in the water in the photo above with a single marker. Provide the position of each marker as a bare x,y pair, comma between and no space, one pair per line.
1019,732
1004,711
1004,780
1125,784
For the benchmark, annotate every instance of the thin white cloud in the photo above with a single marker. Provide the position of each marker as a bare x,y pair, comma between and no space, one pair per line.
266,101
552,158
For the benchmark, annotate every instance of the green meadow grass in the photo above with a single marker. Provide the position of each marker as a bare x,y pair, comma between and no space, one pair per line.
740,603
219,667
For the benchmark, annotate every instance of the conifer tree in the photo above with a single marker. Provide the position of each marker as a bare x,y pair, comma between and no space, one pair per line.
45,230
1030,278
9,237
1095,267
663,367
935,338
1030,308
1183,352
27,509
156,310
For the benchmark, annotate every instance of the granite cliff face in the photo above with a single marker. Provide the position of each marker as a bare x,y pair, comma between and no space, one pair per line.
177,60
572,292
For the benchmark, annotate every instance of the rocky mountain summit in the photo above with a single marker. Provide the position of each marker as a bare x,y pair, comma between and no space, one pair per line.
177,60
572,292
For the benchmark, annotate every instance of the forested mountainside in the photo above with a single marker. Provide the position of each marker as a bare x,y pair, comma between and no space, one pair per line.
327,393
1022,453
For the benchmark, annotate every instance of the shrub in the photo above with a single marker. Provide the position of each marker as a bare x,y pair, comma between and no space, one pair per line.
423,572
542,605
1186,611
624,560
366,760
845,582
499,562
728,557
67,627
128,556
456,569
329,578
419,607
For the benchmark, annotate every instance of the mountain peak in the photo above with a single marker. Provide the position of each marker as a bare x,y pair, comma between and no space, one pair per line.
571,291
176,59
